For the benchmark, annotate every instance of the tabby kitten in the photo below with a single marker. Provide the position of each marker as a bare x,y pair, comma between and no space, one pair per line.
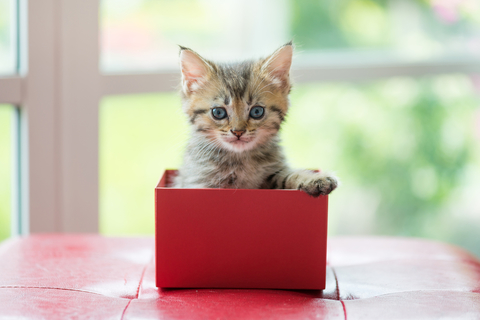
235,112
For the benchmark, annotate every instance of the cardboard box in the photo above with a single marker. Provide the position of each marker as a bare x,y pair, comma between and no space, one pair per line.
239,238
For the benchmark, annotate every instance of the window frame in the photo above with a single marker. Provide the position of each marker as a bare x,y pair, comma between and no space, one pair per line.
58,90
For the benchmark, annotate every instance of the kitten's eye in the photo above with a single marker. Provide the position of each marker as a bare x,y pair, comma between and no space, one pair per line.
219,113
257,112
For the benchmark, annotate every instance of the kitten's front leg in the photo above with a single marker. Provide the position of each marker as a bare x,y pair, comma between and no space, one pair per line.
313,183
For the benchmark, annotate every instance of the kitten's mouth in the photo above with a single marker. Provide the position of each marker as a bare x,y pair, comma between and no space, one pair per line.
238,145
239,141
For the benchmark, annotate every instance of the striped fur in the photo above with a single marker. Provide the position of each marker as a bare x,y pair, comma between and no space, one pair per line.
216,156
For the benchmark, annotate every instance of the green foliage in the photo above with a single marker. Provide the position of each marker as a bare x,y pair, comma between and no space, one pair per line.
401,146
378,24
339,24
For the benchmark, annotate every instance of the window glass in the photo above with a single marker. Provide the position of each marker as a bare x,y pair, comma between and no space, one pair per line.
140,137
414,28
7,37
143,35
406,150
6,168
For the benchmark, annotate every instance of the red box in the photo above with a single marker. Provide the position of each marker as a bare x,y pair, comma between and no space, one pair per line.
239,238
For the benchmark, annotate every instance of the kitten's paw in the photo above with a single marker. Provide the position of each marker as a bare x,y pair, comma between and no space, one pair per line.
319,184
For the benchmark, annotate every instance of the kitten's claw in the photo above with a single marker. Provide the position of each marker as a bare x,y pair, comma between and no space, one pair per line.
317,186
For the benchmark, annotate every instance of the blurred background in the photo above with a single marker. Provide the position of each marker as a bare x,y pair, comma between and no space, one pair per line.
407,149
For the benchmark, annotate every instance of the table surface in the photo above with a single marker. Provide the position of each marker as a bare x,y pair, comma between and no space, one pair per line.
89,276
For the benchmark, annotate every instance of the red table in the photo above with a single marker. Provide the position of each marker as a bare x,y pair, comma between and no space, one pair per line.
89,276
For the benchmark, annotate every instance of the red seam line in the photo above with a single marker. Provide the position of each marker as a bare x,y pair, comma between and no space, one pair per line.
344,309
337,289
141,278
125,310
138,289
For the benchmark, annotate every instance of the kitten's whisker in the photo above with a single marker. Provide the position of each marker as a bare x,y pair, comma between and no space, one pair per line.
200,151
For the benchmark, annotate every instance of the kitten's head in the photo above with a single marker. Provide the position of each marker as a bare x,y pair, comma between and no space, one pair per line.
236,106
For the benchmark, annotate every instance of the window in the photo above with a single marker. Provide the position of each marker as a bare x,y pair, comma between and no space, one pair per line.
389,89
403,142
136,145
402,146
144,35
7,114
413,29
406,150
7,37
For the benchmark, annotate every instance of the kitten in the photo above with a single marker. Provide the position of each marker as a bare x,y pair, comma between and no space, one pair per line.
235,112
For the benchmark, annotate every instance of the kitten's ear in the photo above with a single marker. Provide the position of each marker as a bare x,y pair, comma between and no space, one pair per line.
194,70
278,65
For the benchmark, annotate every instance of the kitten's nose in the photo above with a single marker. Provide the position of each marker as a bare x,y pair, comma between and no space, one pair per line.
238,133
